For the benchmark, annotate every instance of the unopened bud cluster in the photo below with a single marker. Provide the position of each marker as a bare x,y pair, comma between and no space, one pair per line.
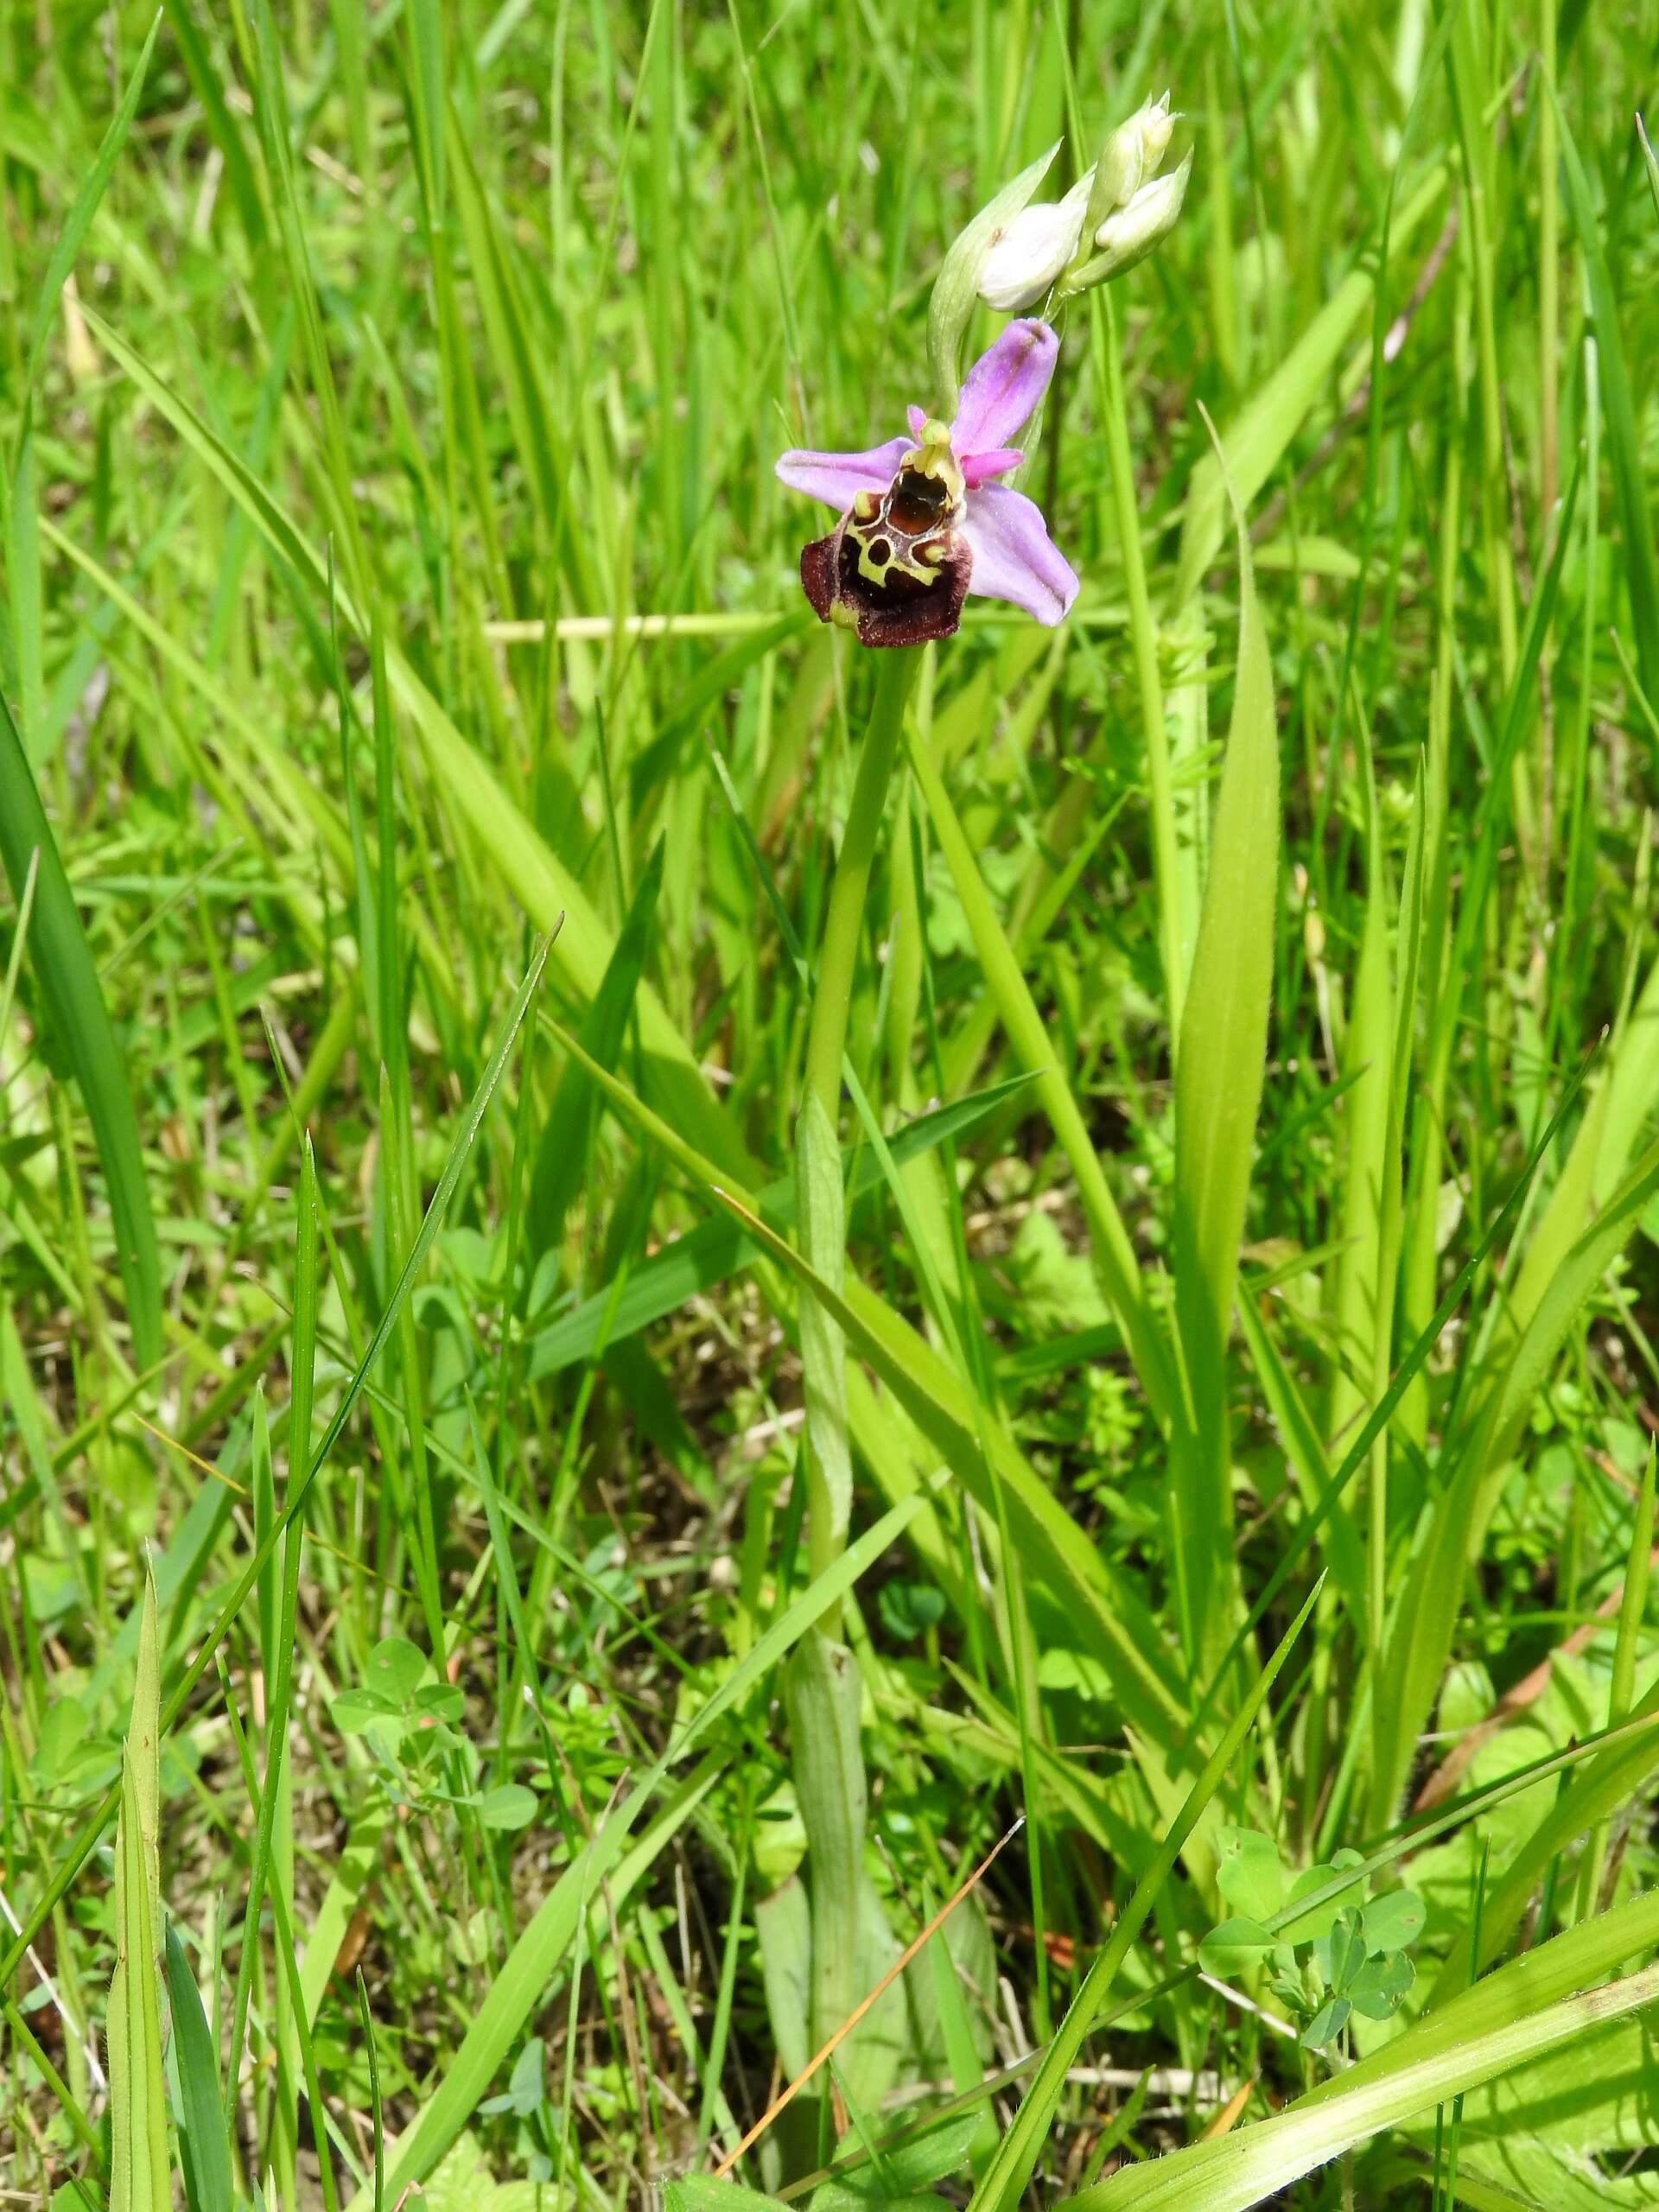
1112,218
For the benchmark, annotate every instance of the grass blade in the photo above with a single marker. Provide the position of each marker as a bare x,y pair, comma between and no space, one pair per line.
79,221
74,1003
1256,2163
522,1980
1114,1253
76,1853
204,2148
1256,441
138,2175
1005,2179
562,1157
1428,1606
1105,1608
713,1250
547,890
1623,437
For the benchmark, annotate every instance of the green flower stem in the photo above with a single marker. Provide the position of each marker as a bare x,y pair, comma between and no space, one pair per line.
817,1159
827,1039
1143,632
823,1687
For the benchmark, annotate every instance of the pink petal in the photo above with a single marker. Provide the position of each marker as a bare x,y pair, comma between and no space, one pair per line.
984,466
1015,557
916,418
1003,388
837,477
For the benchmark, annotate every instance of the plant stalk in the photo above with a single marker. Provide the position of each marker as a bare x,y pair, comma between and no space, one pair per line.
818,1157
827,1036
823,1687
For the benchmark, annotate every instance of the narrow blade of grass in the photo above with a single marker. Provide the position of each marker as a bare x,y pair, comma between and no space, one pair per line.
80,1023
1641,565
138,2166
1005,2179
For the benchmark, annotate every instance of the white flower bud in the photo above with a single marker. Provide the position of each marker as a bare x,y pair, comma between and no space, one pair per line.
1128,234
1129,158
1033,250
1150,216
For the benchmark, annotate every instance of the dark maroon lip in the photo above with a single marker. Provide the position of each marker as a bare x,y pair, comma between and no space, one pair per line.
901,610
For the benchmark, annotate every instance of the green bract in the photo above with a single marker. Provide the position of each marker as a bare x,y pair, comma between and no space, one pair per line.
957,286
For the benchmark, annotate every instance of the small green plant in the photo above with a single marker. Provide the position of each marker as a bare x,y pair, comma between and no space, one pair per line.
407,1722
1345,1953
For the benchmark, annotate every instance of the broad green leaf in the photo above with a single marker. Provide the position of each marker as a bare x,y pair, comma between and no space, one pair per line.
1520,2174
1327,2024
783,1928
354,1711
845,2196
851,1945
1394,1920
510,1806
701,2193
1378,1990
80,1027
822,1693
1248,1872
930,2153
1342,1953
1218,1075
1234,1945
395,1669
1318,1920
1596,2097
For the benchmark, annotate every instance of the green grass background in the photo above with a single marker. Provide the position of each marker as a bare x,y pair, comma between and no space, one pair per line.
395,577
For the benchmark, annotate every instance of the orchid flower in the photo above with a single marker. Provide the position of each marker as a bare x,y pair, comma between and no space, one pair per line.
922,520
